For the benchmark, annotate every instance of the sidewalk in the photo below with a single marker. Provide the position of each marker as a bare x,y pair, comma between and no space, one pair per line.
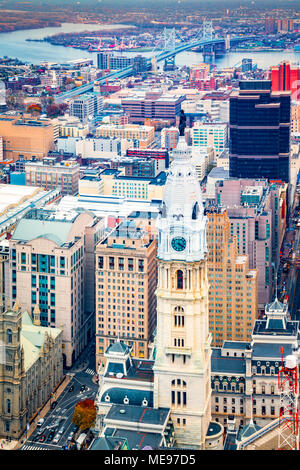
14,445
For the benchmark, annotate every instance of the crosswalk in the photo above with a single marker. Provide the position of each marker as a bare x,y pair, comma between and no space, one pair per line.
90,371
32,447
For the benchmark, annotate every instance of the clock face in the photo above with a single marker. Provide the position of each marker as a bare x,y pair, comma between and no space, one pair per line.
178,243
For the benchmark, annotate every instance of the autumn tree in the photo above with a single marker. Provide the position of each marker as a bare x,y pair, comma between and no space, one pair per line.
34,109
84,415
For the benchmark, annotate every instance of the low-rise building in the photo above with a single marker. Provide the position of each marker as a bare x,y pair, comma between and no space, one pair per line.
50,174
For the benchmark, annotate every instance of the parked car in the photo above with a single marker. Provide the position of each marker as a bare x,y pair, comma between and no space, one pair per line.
75,428
62,430
71,388
50,436
42,438
70,436
83,388
40,422
53,404
56,438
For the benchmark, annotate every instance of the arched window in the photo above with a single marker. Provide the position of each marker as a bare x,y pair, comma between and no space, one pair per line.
179,279
9,336
179,317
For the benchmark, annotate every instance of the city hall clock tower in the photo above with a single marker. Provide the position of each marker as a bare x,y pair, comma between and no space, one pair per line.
183,351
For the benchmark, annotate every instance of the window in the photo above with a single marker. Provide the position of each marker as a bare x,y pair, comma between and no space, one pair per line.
9,336
179,279
179,317
141,265
130,264
8,406
111,262
100,262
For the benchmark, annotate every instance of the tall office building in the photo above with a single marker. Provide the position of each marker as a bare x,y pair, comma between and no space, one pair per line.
177,383
210,134
112,61
286,77
169,137
233,303
259,127
125,289
52,269
86,106
257,213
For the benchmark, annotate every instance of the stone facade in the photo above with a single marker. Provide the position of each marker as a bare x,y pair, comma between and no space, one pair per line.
31,367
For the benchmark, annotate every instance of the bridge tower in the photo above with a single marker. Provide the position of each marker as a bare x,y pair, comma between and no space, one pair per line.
208,33
169,36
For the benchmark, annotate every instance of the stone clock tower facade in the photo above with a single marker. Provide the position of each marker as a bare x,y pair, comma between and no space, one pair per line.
183,342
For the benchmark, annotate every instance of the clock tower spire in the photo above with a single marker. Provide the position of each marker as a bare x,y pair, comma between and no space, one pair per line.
183,353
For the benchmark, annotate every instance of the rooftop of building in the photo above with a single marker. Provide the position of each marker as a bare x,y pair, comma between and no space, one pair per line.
226,364
136,439
271,350
51,224
33,338
138,414
140,370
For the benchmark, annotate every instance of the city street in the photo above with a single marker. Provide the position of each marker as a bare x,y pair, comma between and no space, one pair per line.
58,421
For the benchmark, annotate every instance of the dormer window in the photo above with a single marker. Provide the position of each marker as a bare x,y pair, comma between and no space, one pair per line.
126,400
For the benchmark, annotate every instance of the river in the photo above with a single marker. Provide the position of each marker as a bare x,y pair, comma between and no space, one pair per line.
14,45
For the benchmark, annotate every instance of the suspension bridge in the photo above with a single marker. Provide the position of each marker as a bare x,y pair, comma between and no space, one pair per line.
169,44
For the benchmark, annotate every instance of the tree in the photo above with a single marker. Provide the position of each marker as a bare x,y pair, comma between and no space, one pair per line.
84,415
34,109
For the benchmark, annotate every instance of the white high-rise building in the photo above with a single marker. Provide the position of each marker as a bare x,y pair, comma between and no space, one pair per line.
183,352
178,380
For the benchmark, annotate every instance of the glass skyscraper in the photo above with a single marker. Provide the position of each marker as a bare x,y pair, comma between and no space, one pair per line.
259,132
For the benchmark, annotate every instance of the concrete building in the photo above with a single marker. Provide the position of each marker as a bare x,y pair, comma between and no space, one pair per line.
26,137
115,183
233,301
50,174
31,367
126,282
169,137
152,105
52,268
179,378
257,213
143,136
86,106
245,374
210,134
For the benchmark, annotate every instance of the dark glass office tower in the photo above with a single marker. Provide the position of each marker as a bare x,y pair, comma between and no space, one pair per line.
259,126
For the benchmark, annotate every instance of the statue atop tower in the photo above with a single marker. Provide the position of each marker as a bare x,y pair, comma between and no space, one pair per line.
182,123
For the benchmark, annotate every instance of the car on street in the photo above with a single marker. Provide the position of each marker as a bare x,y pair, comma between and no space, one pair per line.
40,422
83,388
56,438
53,404
75,428
50,436
71,388
70,436
62,430
42,438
